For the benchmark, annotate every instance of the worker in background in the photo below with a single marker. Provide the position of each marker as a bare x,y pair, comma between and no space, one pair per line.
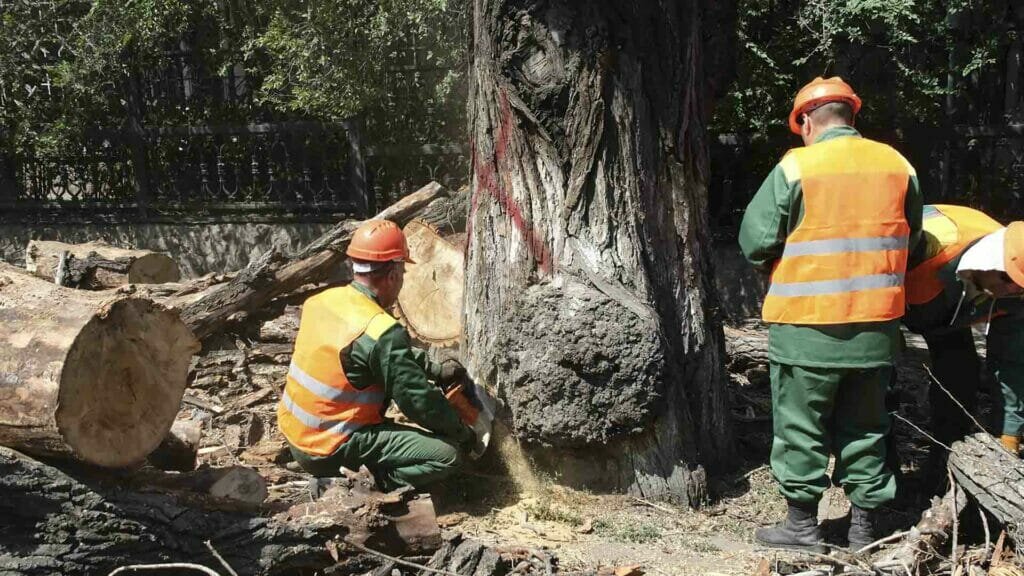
969,270
834,223
351,360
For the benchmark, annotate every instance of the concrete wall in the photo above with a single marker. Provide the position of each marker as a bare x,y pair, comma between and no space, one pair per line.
221,247
199,248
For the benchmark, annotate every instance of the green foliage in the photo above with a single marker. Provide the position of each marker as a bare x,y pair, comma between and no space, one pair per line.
899,55
68,65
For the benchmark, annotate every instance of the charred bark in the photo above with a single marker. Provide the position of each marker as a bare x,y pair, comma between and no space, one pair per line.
589,289
58,522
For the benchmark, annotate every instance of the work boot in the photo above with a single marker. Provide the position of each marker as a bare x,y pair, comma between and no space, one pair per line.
799,531
862,527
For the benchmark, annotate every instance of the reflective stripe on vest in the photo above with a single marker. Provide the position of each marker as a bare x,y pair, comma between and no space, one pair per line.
320,408
846,259
331,393
948,232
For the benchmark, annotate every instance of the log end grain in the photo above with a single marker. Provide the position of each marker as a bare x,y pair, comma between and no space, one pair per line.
153,268
122,382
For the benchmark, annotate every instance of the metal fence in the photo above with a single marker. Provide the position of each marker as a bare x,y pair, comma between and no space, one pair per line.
274,168
980,166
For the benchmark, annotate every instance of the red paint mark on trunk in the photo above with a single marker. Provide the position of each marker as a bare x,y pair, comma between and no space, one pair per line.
487,176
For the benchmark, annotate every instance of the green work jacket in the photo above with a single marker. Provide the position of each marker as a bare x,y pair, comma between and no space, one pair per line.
774,212
405,372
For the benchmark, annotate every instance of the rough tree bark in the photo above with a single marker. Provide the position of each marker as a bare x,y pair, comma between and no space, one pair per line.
993,476
90,375
589,290
98,266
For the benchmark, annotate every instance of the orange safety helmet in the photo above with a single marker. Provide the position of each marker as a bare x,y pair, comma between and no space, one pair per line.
821,91
1013,252
379,241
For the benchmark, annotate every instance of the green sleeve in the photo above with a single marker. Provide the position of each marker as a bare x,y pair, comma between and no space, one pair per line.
766,221
433,369
405,382
915,214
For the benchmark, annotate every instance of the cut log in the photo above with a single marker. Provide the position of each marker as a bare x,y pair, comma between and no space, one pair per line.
746,348
97,266
274,274
993,476
178,450
92,376
430,304
67,522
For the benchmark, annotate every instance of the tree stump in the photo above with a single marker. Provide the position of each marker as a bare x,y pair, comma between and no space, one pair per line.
97,266
87,375
590,299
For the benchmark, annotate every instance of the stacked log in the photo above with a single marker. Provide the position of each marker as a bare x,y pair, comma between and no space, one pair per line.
97,266
87,375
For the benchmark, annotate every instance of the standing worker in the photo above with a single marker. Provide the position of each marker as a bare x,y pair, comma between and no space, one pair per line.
351,360
969,269
833,223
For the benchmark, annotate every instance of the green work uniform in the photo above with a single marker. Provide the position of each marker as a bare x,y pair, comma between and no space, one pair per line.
945,322
397,455
828,381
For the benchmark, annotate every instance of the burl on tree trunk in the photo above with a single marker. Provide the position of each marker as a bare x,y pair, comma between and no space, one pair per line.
93,376
98,266
589,289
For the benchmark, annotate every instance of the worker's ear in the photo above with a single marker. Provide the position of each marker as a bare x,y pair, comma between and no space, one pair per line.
806,127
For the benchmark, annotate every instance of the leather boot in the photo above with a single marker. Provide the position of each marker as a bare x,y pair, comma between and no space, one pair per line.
799,531
862,527
1011,443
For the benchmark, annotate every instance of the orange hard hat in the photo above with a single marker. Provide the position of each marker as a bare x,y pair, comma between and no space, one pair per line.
1013,252
379,241
821,91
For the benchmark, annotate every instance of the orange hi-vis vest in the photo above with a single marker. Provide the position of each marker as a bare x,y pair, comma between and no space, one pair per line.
320,408
948,231
846,260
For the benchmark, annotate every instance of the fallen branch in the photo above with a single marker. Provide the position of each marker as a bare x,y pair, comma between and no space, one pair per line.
396,560
165,566
221,559
275,274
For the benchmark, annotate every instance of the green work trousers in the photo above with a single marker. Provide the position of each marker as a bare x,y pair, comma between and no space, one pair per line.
822,411
396,455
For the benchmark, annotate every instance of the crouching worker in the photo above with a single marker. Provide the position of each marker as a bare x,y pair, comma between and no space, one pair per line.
351,360
969,270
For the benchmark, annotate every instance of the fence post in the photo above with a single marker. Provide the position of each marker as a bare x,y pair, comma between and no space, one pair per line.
357,167
137,144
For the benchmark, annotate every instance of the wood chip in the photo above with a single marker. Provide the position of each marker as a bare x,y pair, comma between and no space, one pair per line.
201,403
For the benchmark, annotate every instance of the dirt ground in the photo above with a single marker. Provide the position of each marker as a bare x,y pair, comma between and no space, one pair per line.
584,530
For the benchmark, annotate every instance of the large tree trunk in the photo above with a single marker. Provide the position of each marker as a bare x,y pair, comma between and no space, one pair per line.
98,266
70,522
589,290
88,375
